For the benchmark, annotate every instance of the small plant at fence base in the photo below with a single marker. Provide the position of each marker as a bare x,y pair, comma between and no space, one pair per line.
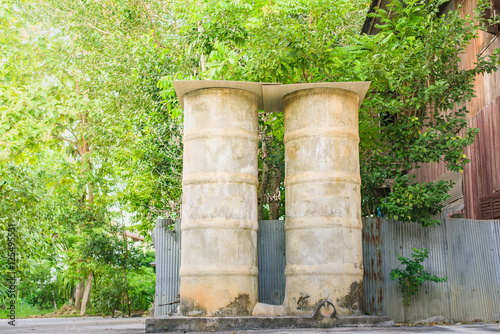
413,275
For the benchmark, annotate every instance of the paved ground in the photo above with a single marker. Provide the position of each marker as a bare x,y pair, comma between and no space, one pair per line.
98,325
87,325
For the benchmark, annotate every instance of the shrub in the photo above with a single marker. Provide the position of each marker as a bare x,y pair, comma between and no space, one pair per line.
413,275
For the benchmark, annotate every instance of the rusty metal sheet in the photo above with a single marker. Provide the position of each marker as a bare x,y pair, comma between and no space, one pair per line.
466,251
473,269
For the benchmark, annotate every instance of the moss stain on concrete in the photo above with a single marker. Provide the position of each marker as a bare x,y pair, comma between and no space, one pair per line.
354,299
240,306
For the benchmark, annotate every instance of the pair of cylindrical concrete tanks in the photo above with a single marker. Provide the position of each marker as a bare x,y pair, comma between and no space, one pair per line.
219,205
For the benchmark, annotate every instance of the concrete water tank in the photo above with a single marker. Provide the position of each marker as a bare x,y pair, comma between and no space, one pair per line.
322,192
219,204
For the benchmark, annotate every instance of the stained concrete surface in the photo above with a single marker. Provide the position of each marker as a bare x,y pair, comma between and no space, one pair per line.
219,203
98,325
324,256
324,317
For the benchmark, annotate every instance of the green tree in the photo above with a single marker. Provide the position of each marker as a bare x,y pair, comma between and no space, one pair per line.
63,94
63,90
419,91
278,41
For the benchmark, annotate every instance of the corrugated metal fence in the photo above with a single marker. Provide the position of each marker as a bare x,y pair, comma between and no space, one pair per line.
466,251
271,258
168,263
271,262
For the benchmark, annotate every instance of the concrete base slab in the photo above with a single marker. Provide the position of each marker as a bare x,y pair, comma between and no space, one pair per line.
200,324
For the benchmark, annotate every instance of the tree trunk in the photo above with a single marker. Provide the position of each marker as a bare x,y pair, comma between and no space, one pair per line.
55,304
264,180
86,293
275,203
125,271
202,57
79,294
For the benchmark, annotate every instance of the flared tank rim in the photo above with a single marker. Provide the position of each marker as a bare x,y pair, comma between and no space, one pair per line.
270,94
319,90
183,87
212,90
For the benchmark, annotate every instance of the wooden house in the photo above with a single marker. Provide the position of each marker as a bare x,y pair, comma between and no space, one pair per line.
476,194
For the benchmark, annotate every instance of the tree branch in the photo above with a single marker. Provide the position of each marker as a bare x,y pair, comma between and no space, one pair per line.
152,26
94,27
66,140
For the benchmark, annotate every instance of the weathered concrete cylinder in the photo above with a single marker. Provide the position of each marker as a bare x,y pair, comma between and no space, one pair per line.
323,201
219,203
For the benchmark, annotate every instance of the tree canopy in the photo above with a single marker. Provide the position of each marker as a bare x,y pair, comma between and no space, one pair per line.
91,127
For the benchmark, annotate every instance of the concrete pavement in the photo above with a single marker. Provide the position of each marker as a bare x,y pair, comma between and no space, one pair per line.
86,325
99,325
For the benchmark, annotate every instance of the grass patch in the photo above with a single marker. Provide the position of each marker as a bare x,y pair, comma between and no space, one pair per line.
24,310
